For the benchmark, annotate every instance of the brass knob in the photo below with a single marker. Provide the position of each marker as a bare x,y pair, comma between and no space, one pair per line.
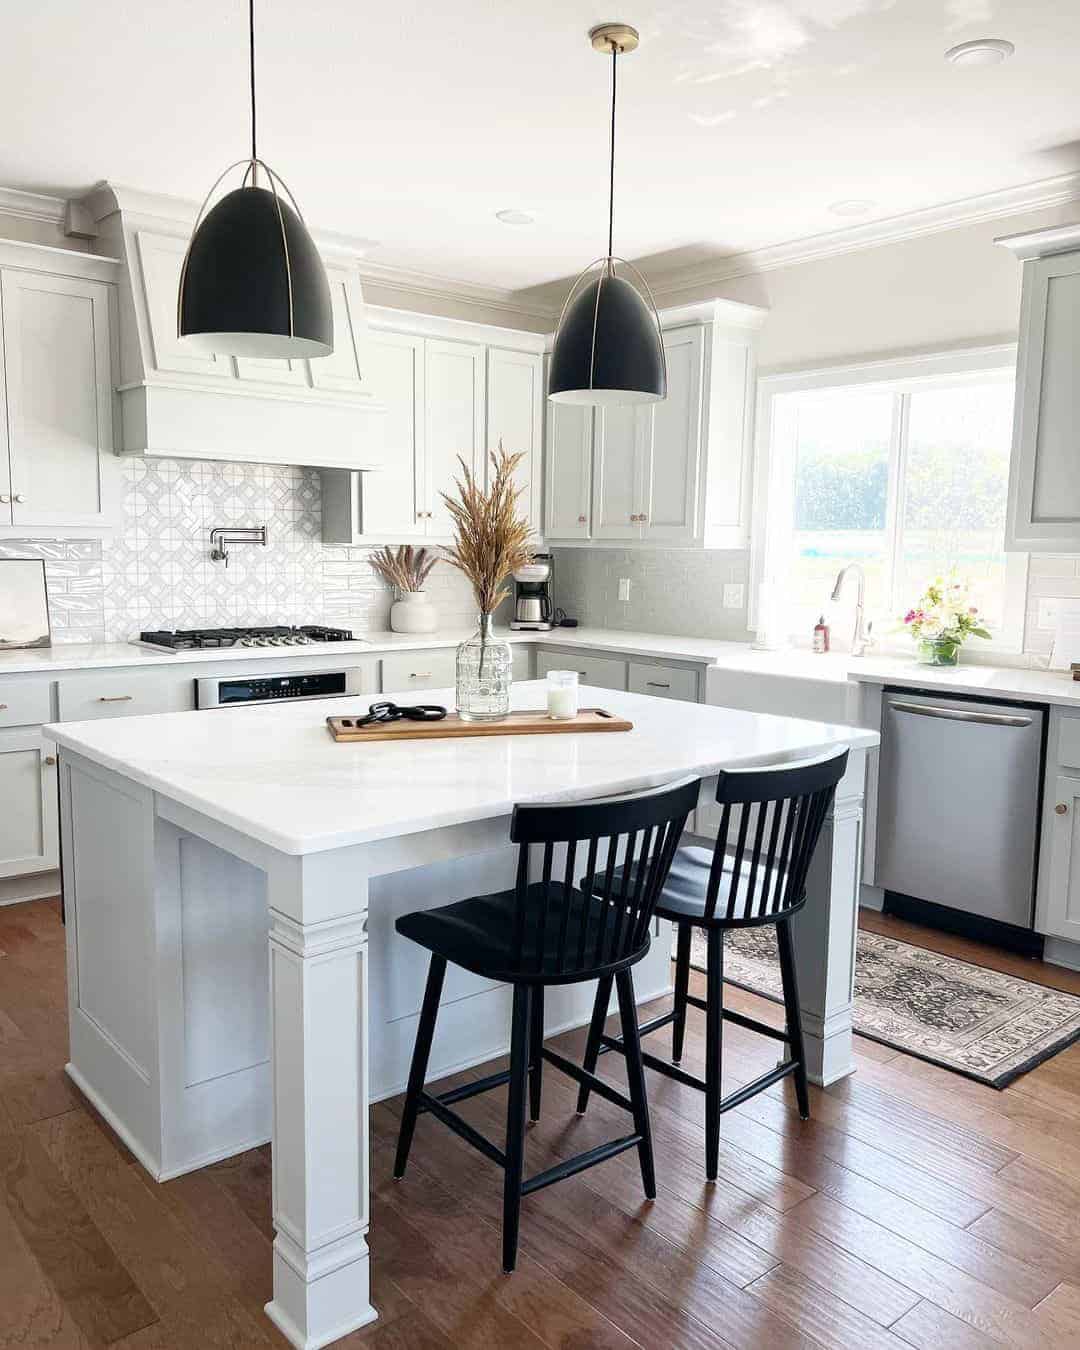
581,520
19,497
50,760
5,499
1061,809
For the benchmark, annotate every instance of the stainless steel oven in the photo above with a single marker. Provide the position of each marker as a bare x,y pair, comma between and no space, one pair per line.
225,691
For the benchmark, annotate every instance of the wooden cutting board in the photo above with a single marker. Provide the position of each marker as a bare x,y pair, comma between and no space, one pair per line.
531,723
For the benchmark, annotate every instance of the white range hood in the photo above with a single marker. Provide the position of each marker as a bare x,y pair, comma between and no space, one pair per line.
181,403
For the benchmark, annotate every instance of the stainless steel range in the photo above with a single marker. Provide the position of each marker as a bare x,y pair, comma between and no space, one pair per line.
213,639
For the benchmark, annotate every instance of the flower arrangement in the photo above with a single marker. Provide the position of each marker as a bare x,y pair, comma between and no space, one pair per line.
942,619
404,569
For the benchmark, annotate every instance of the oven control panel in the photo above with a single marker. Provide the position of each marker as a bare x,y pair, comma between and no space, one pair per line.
223,691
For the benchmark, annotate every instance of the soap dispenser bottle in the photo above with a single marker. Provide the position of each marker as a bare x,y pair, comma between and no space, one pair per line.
821,635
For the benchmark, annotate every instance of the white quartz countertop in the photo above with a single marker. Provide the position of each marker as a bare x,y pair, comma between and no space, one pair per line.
276,775
1043,686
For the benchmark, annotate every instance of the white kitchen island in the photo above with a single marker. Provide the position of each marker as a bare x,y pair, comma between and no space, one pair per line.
192,840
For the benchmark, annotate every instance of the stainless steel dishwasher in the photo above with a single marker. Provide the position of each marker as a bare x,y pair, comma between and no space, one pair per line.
958,803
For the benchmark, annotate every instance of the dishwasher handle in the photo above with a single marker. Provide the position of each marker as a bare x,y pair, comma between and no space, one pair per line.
962,715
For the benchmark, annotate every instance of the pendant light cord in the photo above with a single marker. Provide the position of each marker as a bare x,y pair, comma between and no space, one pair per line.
251,52
611,180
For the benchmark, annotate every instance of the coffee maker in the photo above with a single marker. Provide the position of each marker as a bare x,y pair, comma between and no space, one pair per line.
532,595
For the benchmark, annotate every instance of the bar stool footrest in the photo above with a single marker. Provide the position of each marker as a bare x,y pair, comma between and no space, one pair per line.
461,1127
752,1024
590,1080
571,1166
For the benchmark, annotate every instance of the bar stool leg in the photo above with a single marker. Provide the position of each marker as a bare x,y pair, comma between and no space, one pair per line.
592,1044
515,1125
425,1034
714,1048
536,1047
635,1078
793,1014
682,987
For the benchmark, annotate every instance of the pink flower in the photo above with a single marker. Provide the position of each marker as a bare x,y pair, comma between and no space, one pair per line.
909,616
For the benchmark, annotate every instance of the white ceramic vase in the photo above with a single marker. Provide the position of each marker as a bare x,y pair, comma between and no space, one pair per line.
413,612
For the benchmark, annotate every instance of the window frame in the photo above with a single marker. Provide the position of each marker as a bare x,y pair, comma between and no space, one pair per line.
773,494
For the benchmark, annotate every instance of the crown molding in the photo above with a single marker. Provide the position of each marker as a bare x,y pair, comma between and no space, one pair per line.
432,286
1012,201
31,206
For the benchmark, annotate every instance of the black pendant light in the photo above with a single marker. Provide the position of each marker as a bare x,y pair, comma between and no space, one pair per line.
608,346
252,283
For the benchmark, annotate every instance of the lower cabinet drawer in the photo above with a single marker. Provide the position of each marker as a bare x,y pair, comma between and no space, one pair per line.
604,672
123,693
405,671
664,681
25,702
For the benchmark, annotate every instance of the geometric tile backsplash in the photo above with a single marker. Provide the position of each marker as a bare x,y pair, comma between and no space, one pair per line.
155,570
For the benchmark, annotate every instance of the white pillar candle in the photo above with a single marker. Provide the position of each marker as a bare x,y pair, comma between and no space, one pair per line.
562,694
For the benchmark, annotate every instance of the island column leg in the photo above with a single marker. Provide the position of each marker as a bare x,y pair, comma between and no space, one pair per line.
319,1048
825,932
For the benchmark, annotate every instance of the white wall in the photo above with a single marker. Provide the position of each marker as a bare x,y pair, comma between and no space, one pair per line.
956,288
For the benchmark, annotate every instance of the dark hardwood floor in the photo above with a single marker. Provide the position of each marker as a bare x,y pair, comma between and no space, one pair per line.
915,1208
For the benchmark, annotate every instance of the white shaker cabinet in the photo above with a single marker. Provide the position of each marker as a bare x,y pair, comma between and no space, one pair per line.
620,447
1044,486
568,471
515,416
672,473
671,445
454,385
28,835
57,467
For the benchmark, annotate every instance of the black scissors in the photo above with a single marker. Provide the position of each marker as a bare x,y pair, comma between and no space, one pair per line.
393,712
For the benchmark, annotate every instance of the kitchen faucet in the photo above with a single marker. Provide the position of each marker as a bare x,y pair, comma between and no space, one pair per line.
861,638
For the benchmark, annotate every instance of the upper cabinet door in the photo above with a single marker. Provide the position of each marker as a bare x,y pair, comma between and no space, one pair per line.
569,471
453,421
1044,487
622,436
393,500
161,258
343,369
673,445
58,363
515,400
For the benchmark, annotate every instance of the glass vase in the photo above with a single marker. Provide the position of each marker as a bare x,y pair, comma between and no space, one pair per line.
938,652
483,675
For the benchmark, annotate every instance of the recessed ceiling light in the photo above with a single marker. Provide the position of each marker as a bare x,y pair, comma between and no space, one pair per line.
980,52
513,215
854,206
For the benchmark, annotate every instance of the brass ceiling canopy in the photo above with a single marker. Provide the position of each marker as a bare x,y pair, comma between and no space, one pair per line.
609,37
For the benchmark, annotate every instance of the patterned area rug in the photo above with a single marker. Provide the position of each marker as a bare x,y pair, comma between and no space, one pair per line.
980,1023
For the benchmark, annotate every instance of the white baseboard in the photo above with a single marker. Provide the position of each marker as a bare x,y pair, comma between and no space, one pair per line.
37,886
1061,952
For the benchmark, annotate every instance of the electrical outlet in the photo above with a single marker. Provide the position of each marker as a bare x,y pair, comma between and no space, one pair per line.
624,588
734,593
1047,615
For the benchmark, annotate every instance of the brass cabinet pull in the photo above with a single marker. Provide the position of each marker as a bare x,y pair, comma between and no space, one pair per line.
655,684
420,675
3,707
115,698
4,498
1061,808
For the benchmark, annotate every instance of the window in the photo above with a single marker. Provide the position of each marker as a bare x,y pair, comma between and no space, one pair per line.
903,469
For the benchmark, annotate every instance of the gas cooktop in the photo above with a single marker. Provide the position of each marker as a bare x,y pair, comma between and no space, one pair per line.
209,639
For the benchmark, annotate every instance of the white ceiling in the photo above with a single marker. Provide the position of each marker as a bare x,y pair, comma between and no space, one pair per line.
741,121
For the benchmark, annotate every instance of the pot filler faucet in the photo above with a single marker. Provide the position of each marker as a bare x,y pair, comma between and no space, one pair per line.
861,637
221,536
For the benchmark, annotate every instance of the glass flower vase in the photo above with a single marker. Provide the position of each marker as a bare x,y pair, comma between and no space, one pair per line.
938,652
483,675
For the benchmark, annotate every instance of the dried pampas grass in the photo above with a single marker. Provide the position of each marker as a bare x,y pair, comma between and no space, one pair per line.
490,537
405,568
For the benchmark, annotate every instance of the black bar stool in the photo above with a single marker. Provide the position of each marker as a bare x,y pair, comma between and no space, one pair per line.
544,933
774,817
